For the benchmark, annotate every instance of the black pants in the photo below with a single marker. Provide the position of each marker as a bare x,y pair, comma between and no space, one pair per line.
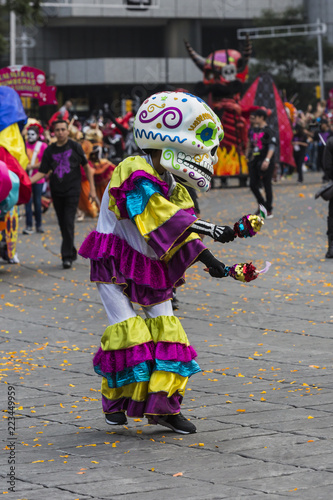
259,177
65,208
299,160
330,219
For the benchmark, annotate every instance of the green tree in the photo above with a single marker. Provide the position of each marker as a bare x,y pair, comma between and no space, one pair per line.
282,57
28,12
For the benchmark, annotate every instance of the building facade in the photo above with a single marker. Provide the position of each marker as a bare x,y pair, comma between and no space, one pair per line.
98,51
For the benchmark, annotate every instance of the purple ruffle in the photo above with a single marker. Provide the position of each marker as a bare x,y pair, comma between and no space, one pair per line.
184,258
172,232
101,272
119,360
116,361
118,258
191,211
119,193
174,351
133,408
157,404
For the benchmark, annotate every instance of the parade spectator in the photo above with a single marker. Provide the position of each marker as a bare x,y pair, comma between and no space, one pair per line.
299,145
321,136
61,114
328,169
35,150
92,133
62,161
261,165
64,110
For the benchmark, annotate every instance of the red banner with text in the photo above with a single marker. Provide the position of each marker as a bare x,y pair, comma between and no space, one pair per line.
28,82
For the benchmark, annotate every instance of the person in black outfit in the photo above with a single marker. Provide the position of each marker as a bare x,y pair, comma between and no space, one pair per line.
261,160
62,160
300,144
328,170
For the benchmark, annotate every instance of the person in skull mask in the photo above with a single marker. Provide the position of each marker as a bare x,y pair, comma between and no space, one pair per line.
35,149
146,237
125,126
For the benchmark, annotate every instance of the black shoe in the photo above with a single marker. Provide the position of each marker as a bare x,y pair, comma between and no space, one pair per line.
40,230
329,253
66,264
117,418
175,303
177,423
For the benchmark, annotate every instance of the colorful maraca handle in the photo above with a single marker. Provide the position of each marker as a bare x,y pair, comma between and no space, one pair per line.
244,272
250,225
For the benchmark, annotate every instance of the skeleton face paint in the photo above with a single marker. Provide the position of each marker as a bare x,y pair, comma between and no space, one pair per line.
186,130
32,136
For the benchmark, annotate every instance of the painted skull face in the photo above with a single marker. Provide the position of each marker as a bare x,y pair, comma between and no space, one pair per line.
32,135
228,72
187,132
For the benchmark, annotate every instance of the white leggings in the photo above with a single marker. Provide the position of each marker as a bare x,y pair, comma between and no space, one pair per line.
119,308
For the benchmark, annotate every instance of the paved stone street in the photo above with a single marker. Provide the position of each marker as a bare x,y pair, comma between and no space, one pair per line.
263,404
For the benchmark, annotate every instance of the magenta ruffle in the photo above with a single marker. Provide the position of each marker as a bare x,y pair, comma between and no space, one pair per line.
120,258
116,361
119,193
174,351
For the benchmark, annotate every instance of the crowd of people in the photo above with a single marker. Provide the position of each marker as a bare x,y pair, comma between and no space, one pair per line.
312,129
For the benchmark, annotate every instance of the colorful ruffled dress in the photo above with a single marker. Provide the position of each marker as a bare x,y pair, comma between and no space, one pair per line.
140,250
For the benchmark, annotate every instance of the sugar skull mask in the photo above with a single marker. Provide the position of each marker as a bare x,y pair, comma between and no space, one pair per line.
32,135
186,130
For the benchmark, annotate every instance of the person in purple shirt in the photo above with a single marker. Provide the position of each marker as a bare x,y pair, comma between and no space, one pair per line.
62,160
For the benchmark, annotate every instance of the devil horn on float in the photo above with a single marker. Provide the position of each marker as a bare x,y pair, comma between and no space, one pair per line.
246,54
197,58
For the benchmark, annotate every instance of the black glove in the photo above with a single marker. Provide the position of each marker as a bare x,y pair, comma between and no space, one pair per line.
216,268
224,234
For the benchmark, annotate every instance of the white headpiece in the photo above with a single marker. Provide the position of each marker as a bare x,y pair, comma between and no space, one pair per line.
186,130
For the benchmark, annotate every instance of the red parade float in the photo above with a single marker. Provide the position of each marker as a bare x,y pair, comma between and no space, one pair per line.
224,73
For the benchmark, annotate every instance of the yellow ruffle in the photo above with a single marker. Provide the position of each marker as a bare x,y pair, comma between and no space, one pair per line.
128,333
181,198
167,382
167,329
157,211
137,391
